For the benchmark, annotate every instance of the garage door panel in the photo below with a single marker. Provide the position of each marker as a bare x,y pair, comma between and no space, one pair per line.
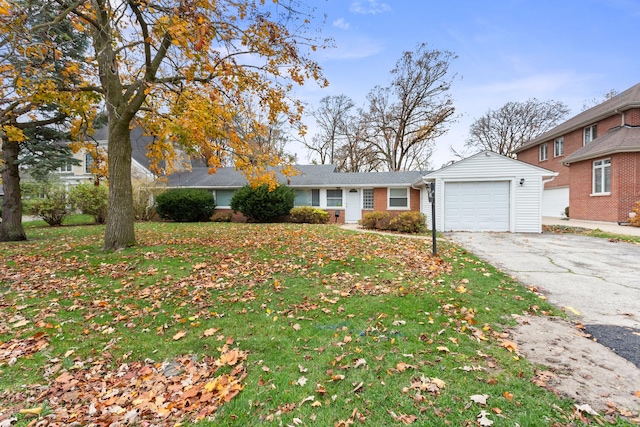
477,206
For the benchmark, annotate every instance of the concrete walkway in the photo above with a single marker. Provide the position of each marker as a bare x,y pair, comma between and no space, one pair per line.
610,227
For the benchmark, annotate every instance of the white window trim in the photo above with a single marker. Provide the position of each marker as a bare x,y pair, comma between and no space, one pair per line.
326,193
602,166
398,208
372,199
543,148
558,142
591,137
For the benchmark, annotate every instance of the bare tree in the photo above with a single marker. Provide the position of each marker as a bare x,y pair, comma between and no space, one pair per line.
507,128
331,119
354,154
589,103
404,119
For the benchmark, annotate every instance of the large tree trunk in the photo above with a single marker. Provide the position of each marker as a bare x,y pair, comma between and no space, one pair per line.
120,216
11,227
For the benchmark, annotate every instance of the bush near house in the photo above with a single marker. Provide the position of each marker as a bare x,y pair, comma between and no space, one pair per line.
261,204
309,215
185,205
635,221
222,217
91,200
376,220
406,222
52,208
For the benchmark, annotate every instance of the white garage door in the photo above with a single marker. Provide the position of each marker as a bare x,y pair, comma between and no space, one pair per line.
476,206
554,200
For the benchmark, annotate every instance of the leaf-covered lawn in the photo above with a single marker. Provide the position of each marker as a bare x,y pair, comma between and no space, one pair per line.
246,324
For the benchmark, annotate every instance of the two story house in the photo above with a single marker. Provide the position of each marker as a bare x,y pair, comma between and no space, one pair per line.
597,156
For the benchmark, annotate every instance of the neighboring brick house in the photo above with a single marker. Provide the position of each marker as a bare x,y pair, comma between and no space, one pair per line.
597,156
346,196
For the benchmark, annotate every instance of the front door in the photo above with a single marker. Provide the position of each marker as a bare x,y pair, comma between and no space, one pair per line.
353,211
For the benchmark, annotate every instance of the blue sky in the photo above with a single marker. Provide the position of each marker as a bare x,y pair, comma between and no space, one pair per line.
508,50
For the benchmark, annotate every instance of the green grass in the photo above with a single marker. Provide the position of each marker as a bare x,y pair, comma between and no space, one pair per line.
565,229
337,326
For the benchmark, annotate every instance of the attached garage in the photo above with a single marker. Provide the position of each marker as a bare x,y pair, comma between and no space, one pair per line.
488,192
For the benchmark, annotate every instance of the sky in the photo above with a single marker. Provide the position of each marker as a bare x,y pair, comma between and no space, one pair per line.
572,51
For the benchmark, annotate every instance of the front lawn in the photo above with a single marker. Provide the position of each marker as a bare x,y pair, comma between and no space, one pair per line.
247,324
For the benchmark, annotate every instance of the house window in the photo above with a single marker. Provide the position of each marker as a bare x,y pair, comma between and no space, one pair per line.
602,176
558,147
315,197
302,198
88,163
367,198
398,197
544,151
67,167
334,198
590,133
223,198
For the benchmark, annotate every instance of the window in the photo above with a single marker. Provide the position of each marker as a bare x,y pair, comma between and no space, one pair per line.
223,198
558,147
302,198
88,162
602,176
398,198
67,167
315,197
544,151
367,198
334,198
590,133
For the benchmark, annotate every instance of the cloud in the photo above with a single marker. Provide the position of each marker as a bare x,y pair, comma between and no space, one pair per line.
341,23
369,7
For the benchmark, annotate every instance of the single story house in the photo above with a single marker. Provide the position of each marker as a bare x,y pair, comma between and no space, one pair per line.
485,192
346,196
597,156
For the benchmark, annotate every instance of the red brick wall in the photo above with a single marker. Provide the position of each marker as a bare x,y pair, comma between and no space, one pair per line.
625,190
632,117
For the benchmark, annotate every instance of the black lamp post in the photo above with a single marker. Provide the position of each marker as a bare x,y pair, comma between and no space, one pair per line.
431,193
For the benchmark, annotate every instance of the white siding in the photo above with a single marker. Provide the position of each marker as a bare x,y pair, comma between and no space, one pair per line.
526,199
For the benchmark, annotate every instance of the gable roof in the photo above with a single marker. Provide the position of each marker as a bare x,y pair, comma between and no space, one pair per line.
501,166
309,176
630,98
139,142
620,139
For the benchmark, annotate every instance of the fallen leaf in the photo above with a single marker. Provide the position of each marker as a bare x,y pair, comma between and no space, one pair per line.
297,327
360,362
179,335
443,349
508,396
586,408
483,420
301,381
509,345
480,399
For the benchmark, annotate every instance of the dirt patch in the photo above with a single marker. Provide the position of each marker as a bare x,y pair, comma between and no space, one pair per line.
577,367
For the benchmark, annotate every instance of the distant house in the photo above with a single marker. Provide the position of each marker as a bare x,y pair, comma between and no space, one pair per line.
597,156
346,196
71,174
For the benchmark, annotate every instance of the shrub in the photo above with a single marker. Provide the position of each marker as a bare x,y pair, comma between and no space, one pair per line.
52,208
409,222
566,211
185,205
262,205
635,221
144,191
91,200
309,215
376,220
222,217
